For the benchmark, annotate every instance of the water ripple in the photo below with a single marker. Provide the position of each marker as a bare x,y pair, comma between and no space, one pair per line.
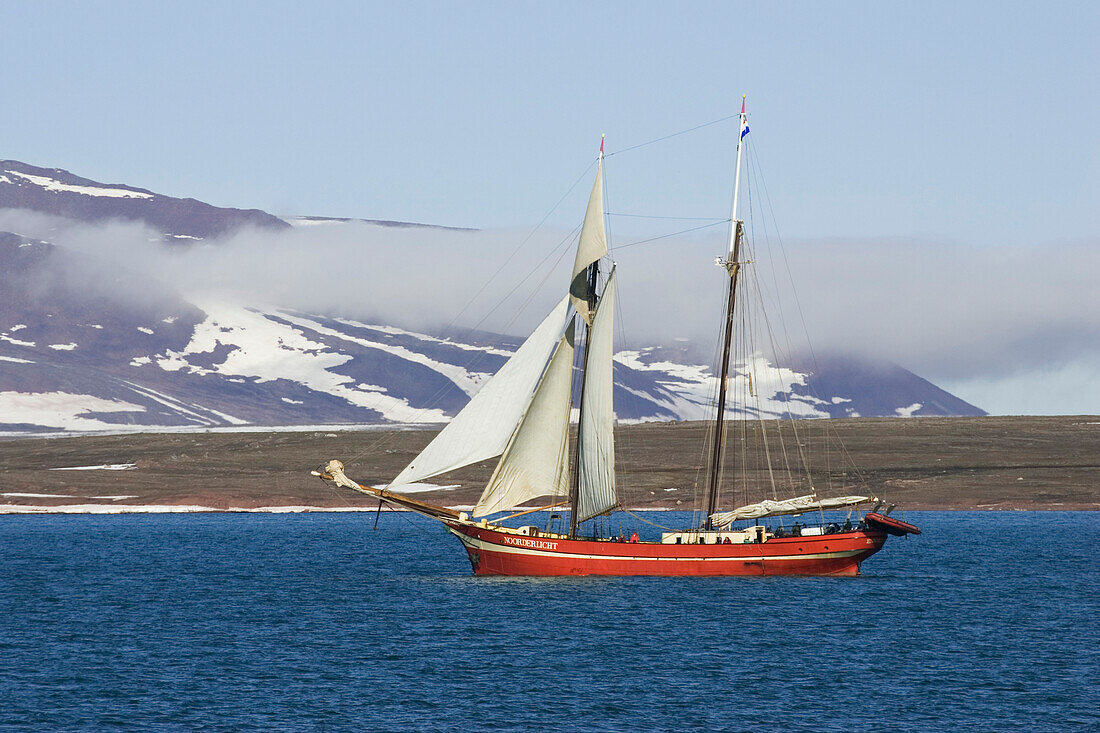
292,622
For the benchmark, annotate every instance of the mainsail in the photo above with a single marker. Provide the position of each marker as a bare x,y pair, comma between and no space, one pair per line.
795,505
482,429
595,436
592,246
535,463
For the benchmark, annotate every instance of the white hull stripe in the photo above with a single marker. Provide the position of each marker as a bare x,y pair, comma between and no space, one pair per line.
478,544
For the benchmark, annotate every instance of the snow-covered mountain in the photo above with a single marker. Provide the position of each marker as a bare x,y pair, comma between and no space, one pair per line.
84,358
58,192
83,361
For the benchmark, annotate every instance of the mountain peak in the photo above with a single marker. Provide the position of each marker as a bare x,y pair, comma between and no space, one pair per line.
58,192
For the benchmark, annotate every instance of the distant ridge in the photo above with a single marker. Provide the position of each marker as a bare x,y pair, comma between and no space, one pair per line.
60,193
870,382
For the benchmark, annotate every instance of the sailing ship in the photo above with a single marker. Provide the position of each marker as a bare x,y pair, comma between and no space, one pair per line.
522,414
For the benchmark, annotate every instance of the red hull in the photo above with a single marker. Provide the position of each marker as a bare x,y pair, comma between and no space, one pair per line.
493,552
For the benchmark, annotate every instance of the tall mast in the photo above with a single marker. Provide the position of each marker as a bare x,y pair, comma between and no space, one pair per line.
574,485
732,265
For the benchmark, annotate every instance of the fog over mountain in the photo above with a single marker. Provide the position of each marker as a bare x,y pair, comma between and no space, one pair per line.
948,312
88,358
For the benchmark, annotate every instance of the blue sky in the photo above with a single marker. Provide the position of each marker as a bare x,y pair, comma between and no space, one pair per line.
970,121
966,126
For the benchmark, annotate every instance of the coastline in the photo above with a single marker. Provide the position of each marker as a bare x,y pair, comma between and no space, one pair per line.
920,464
115,509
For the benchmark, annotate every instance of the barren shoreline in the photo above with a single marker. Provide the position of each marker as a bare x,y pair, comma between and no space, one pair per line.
988,463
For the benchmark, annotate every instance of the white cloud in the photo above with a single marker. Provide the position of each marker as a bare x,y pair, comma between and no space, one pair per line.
971,317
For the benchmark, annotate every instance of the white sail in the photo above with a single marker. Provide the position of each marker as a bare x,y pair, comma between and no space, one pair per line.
535,463
592,245
482,429
795,505
595,436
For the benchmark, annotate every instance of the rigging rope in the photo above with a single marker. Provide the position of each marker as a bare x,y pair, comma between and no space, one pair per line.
479,356
666,236
714,219
746,338
674,134
828,428
516,251
643,519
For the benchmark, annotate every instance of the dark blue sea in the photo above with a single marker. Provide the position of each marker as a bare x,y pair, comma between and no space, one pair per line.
988,622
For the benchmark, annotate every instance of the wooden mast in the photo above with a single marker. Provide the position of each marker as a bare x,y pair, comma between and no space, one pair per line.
732,265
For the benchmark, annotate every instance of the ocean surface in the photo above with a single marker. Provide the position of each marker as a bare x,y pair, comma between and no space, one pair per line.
986,622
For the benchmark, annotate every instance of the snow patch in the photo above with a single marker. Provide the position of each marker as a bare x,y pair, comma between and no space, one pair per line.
468,382
57,186
143,329
301,221
187,409
14,359
292,402
140,361
60,409
16,342
908,411
227,417
63,347
37,496
207,428
102,467
268,350
756,388
392,331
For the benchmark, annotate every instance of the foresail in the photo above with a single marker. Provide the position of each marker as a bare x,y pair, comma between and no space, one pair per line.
595,436
535,463
592,246
482,429
795,505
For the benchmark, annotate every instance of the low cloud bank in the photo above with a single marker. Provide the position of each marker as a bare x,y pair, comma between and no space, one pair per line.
986,319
